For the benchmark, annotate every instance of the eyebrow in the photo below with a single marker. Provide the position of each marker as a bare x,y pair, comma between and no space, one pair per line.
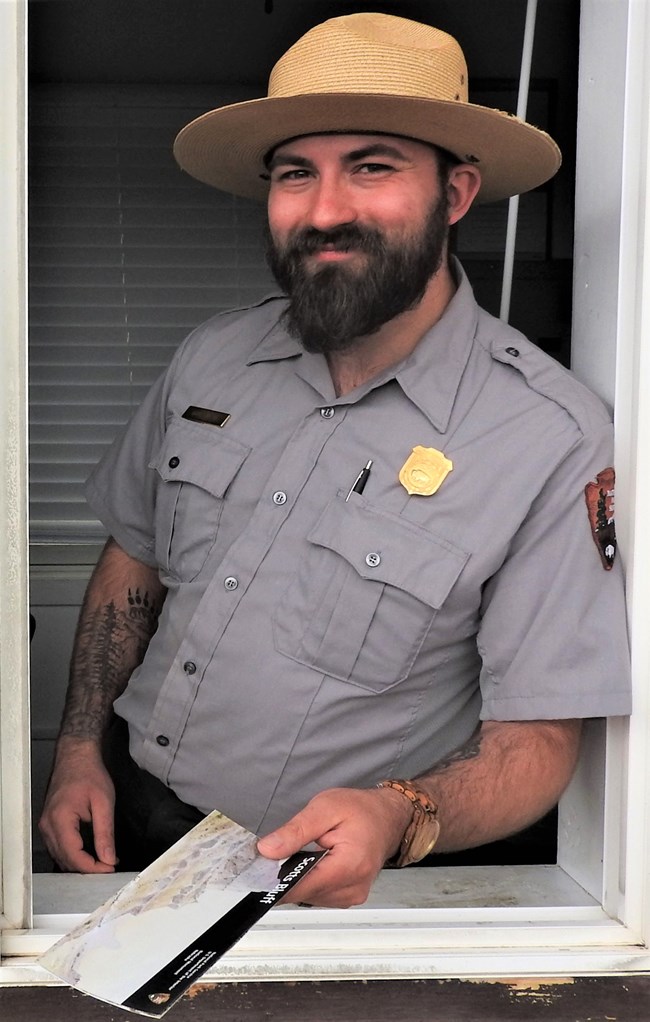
279,159
377,149
283,159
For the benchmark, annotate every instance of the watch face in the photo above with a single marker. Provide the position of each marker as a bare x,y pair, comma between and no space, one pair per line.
423,840
423,830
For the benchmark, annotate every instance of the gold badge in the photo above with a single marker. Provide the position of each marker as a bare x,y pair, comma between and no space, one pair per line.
424,471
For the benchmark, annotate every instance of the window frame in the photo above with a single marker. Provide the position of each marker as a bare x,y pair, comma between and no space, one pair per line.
389,937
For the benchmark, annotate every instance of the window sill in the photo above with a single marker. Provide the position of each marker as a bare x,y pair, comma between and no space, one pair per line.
455,922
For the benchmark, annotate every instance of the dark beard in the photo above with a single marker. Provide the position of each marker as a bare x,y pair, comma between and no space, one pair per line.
335,305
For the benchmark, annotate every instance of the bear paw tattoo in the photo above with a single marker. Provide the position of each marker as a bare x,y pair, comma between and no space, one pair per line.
139,606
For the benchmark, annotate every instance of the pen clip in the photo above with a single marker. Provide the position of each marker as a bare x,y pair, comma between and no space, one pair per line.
360,482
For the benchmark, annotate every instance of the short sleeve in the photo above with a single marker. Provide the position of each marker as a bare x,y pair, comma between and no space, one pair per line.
553,636
121,490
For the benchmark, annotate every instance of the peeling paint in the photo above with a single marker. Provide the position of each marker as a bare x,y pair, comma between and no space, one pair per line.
541,991
522,984
198,988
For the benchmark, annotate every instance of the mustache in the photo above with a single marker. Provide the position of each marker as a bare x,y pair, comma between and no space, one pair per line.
310,240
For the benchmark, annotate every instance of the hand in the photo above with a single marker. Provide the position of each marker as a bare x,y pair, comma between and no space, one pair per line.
80,790
361,828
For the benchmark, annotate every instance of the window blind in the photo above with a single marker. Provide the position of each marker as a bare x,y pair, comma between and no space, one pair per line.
127,255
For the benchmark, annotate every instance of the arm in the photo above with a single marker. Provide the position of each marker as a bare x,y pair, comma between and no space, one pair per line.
118,618
507,776
501,781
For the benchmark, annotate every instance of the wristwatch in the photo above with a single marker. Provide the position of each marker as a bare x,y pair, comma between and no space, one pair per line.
422,832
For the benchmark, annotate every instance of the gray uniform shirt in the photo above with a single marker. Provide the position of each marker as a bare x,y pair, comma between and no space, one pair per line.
309,641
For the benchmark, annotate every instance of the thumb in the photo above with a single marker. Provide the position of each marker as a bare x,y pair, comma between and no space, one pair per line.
286,840
104,832
275,846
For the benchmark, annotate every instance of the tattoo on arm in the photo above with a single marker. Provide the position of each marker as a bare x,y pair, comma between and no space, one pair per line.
470,750
142,616
110,643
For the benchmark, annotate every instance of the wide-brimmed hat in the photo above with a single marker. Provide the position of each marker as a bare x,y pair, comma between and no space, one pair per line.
368,73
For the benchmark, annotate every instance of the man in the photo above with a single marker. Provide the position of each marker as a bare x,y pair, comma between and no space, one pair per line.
352,593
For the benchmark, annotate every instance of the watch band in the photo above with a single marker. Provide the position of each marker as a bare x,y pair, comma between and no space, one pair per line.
422,832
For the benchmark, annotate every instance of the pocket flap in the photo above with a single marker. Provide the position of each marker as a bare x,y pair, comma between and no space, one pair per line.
199,454
390,549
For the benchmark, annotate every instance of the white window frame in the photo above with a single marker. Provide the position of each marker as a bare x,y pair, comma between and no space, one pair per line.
575,918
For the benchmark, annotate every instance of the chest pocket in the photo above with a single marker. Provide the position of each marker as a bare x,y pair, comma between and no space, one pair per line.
365,595
195,465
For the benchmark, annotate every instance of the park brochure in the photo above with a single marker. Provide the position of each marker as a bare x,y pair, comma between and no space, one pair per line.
144,947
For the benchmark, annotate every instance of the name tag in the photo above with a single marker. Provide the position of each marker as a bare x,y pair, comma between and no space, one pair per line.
210,416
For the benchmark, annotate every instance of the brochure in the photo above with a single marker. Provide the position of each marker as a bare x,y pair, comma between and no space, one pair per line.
167,926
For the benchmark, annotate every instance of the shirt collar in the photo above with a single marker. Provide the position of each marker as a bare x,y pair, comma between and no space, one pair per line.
432,373
277,344
430,376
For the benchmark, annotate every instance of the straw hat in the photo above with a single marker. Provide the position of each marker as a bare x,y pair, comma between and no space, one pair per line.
368,73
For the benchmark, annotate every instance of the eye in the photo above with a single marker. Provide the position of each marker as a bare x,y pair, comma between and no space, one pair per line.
374,168
291,174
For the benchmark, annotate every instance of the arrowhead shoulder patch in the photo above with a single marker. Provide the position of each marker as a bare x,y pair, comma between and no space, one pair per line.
600,507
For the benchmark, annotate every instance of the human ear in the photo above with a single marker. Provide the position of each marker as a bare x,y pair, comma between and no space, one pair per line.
463,184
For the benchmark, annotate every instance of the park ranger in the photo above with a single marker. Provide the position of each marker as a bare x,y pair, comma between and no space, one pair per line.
361,586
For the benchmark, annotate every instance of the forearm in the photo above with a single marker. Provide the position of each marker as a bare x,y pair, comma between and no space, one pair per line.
118,618
504,778
119,615
507,776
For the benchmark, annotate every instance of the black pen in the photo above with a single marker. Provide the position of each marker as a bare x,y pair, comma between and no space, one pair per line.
360,481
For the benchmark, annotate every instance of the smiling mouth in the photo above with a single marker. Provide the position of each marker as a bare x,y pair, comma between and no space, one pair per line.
335,252
330,253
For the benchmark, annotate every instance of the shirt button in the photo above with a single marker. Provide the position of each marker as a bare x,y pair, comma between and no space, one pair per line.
162,740
513,351
231,582
372,560
174,462
189,667
326,413
279,497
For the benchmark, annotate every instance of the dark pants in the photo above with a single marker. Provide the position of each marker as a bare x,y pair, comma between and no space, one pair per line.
149,817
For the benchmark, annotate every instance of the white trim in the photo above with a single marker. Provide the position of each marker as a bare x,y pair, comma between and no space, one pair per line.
601,99
611,299
633,454
14,633
515,921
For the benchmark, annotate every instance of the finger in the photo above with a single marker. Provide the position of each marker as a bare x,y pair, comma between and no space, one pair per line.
286,840
61,835
326,897
326,890
65,845
103,822
64,842
83,862
313,823
337,881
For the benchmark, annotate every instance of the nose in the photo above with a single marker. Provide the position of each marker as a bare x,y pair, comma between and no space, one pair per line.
330,205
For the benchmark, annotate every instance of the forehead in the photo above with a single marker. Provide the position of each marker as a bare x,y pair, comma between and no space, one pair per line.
342,144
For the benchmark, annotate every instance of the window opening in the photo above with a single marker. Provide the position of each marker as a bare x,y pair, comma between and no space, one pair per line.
108,205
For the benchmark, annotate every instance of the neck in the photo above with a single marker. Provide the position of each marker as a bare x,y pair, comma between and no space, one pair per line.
395,340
